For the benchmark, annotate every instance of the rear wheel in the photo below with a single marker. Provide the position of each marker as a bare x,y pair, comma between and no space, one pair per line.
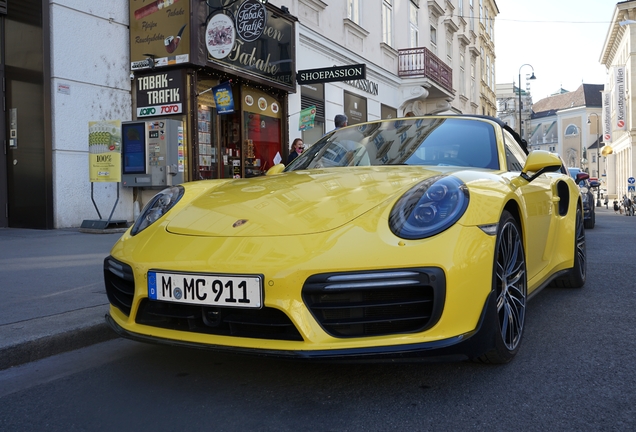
575,277
510,286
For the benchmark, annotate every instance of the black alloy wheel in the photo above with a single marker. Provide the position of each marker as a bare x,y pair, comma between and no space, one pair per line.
511,288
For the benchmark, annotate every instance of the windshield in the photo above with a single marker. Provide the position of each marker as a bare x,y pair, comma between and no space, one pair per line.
429,141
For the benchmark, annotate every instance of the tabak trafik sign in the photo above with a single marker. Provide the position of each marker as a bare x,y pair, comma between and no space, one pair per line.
160,94
243,35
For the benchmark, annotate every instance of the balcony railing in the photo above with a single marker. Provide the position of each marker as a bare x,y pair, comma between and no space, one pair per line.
420,62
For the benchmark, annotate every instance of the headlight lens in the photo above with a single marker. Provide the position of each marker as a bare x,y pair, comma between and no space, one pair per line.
429,208
157,207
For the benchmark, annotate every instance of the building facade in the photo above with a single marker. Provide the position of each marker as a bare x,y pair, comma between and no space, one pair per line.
170,67
567,124
619,116
508,106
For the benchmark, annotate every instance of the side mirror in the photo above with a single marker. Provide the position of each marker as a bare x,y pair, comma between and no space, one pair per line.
276,169
582,176
538,162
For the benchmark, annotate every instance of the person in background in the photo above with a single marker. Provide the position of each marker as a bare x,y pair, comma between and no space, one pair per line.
297,148
340,120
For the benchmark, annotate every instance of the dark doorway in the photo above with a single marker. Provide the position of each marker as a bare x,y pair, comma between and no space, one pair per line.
28,167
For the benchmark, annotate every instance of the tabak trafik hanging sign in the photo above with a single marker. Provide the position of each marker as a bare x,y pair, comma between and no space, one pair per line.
248,25
243,35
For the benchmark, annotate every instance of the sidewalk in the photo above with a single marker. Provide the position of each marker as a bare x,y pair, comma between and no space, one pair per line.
53,296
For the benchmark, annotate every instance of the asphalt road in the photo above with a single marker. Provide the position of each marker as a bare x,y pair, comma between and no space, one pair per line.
574,372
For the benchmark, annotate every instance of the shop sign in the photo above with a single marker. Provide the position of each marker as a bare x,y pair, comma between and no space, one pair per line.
307,118
607,116
159,33
160,94
250,20
223,98
331,74
270,55
619,107
220,36
104,151
355,107
364,85
160,110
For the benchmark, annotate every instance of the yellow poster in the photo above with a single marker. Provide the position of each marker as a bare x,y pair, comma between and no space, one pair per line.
104,151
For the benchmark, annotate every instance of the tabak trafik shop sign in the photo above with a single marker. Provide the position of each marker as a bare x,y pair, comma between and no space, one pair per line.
245,35
161,93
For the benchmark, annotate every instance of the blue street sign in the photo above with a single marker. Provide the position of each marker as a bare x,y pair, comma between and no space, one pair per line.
631,188
631,180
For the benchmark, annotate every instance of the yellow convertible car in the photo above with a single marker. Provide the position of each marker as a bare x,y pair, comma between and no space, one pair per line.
413,237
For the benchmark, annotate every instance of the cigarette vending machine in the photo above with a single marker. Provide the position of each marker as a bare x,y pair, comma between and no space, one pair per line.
153,153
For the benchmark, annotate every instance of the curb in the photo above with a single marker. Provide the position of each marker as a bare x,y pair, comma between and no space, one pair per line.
44,337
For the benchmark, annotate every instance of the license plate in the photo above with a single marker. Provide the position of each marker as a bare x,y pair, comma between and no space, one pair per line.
241,291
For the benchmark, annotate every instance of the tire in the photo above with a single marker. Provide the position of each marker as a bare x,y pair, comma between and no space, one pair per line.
589,223
511,288
575,277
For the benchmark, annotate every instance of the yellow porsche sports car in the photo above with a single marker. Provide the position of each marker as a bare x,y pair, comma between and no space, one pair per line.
413,237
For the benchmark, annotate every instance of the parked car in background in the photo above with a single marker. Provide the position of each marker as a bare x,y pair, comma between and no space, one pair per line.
585,185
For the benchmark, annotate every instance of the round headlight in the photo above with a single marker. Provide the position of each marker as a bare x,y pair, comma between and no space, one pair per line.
429,208
157,207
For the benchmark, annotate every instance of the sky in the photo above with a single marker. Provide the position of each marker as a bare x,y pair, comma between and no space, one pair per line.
561,39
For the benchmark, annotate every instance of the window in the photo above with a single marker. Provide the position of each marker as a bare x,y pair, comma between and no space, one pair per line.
473,87
571,130
515,156
472,16
486,20
481,11
488,71
460,8
449,49
433,46
353,10
387,22
462,75
414,29
483,65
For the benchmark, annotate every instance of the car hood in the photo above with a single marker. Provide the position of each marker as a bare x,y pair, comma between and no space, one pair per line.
294,203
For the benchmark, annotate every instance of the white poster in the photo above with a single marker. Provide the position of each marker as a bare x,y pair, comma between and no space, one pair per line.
619,86
607,117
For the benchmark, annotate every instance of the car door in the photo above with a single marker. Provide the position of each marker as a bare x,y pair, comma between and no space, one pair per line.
538,207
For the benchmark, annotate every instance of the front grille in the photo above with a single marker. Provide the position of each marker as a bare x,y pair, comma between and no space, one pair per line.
265,323
376,303
120,284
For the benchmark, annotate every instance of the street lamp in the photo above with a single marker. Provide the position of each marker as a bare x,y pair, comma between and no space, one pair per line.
531,77
598,158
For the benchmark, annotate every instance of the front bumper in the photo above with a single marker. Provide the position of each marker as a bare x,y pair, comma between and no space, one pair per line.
466,346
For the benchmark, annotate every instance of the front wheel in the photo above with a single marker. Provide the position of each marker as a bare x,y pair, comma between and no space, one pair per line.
510,287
